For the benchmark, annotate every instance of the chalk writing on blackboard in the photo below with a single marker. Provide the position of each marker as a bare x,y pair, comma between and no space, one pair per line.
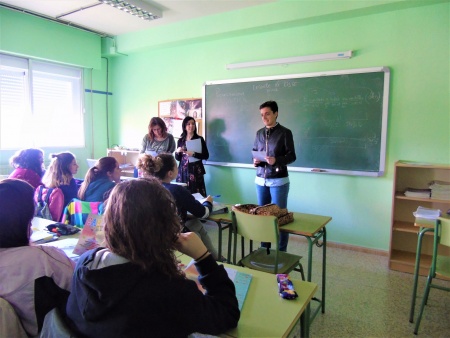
338,119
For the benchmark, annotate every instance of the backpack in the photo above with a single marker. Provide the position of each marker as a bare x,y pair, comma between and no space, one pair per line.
42,207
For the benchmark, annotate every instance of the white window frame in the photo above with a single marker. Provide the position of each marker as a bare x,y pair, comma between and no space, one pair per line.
48,108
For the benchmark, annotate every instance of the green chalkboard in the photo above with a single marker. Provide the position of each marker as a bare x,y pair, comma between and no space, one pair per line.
338,119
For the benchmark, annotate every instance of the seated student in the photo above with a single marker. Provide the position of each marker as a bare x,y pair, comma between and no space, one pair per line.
34,278
28,165
134,287
164,167
99,180
60,175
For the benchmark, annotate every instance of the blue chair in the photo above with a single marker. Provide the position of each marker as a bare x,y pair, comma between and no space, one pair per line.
440,264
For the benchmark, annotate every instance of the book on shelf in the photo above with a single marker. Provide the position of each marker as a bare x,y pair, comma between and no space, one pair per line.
418,193
440,190
240,279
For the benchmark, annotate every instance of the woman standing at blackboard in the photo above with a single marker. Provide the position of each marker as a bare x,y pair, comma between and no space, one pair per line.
191,172
272,180
158,140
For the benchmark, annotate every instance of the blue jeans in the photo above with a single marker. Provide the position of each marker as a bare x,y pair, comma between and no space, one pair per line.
277,195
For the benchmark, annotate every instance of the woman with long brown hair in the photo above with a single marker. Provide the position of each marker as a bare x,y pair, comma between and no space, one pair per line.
157,140
134,286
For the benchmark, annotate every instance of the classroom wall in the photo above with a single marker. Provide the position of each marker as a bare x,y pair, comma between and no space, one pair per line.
411,38
28,36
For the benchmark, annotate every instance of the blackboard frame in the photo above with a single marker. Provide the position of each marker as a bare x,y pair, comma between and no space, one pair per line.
376,172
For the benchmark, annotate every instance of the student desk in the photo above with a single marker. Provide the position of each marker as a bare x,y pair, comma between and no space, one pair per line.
265,313
65,243
312,227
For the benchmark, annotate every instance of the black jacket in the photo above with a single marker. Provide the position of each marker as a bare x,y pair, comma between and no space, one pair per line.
280,144
124,301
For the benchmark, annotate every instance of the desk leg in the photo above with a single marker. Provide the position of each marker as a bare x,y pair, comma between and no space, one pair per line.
219,253
303,324
416,272
322,234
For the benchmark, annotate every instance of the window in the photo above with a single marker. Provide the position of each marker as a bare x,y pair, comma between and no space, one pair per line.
40,104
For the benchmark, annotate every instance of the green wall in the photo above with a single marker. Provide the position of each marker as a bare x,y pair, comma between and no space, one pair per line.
409,37
28,36
173,61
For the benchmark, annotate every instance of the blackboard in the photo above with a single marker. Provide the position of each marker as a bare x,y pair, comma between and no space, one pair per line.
338,119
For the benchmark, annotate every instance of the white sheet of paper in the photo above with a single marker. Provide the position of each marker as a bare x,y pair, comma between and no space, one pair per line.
151,153
259,155
195,146
199,197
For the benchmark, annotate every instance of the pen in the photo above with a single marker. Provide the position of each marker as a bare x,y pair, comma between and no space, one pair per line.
216,196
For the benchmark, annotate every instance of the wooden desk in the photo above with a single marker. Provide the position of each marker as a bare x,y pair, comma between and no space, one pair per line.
265,313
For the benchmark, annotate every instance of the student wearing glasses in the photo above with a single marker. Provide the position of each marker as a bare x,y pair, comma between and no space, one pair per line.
157,140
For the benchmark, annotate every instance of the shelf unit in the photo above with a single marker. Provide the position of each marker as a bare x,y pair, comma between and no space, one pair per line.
404,234
126,158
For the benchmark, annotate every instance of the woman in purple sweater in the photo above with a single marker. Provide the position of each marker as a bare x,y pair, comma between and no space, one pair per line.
28,165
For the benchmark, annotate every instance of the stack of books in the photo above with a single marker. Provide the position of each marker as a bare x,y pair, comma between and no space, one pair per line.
427,213
418,193
440,190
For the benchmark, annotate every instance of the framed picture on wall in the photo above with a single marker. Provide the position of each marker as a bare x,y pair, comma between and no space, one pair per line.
174,111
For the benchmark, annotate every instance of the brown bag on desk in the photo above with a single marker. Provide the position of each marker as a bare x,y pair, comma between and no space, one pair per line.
283,215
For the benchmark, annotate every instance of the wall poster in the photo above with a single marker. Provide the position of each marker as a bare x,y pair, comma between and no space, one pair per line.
174,111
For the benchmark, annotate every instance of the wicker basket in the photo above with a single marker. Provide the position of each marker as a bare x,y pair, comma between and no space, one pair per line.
283,215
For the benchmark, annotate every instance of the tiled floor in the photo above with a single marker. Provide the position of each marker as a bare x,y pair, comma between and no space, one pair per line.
364,297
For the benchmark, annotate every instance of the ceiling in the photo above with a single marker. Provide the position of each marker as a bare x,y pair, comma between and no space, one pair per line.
109,21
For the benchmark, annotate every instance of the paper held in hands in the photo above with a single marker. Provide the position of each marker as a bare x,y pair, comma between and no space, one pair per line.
195,146
259,155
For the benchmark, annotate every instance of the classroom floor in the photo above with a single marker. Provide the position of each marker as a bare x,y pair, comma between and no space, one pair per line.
364,297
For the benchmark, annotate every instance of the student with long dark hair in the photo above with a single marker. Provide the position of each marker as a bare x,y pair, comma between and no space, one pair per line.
191,172
134,288
99,180
34,278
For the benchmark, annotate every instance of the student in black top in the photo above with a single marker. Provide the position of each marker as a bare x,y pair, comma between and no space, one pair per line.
164,167
134,287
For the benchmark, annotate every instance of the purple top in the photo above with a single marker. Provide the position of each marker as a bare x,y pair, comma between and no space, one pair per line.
28,175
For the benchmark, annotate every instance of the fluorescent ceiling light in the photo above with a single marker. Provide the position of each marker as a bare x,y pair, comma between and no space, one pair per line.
137,8
295,59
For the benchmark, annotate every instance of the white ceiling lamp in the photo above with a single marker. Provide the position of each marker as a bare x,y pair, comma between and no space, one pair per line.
295,59
137,8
